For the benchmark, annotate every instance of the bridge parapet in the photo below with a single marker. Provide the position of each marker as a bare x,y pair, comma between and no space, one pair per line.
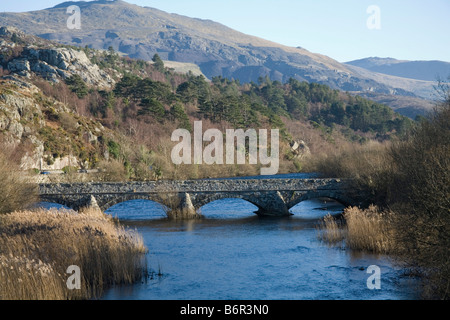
271,196
194,186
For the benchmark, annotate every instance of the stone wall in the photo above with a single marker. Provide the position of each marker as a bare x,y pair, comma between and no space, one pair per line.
207,185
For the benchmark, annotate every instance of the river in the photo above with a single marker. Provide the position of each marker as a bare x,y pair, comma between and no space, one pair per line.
233,254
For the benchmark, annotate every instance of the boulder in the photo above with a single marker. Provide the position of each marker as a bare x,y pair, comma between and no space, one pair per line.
300,149
18,65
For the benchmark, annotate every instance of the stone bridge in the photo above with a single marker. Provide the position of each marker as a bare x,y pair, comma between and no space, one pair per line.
273,197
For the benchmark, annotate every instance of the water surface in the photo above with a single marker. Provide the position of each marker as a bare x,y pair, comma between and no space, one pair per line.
232,254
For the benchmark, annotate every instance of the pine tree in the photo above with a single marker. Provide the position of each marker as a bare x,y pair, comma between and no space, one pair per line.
158,63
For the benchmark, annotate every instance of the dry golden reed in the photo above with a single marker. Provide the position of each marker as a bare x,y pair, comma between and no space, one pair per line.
37,247
330,230
369,229
366,230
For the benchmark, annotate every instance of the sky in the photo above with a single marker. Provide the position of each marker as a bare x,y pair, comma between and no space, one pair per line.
343,30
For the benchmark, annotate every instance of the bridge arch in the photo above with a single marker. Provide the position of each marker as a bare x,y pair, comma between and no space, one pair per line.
344,200
109,202
137,209
213,207
203,200
59,200
47,204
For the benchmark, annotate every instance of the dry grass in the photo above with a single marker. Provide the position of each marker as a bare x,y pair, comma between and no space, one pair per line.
37,247
351,161
330,230
369,230
368,167
366,230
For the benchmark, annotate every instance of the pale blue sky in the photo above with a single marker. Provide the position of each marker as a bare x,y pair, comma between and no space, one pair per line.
410,29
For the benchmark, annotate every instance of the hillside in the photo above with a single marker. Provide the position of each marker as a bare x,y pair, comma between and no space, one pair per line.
140,32
66,107
419,70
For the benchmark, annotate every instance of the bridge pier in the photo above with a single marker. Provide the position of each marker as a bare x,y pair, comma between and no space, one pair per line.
186,209
273,205
92,204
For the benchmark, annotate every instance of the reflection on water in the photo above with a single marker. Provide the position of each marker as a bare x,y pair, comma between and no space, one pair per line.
233,254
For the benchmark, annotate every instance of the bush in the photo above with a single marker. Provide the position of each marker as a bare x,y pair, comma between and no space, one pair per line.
16,192
368,166
421,198
112,171
77,85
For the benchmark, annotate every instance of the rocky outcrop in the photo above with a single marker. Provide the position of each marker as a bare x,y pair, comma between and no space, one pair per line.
25,126
54,64
300,149
64,62
17,109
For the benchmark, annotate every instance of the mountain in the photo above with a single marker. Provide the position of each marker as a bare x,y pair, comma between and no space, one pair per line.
419,70
219,51
140,32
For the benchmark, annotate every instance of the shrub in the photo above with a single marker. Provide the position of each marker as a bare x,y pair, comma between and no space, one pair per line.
16,192
112,171
77,85
421,198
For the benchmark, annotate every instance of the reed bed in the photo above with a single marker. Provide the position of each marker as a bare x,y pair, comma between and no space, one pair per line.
38,246
369,230
331,230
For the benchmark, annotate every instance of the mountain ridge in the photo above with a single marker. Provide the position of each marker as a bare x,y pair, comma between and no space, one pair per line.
425,70
140,32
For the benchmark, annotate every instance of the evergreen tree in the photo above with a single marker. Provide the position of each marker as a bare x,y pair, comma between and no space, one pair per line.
126,87
178,113
152,107
158,63
77,85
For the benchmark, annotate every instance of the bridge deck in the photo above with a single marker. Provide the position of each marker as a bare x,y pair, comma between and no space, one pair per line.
271,196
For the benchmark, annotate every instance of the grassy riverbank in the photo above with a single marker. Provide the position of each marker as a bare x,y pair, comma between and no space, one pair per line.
38,247
409,182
